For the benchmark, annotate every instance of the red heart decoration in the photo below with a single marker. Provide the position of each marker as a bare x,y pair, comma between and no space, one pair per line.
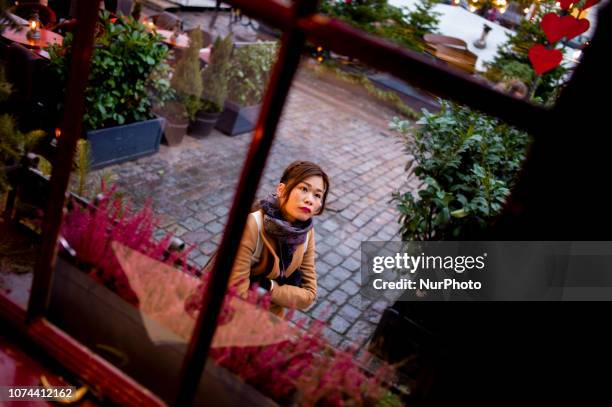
544,59
556,27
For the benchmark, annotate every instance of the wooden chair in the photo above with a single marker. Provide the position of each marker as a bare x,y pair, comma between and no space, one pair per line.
452,50
167,21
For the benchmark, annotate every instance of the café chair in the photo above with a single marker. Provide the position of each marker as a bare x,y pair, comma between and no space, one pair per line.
26,11
451,50
167,21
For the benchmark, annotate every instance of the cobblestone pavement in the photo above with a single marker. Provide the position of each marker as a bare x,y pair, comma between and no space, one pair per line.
192,185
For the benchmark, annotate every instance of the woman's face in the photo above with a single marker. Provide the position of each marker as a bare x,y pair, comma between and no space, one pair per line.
304,200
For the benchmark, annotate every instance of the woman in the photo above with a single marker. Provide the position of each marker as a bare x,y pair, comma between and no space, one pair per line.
278,247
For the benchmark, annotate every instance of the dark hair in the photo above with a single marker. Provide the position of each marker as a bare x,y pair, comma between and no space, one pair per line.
297,172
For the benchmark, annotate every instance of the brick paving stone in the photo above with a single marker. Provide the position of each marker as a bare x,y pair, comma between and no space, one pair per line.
221,211
380,305
330,225
329,282
205,216
332,240
215,227
349,313
343,250
342,274
191,224
197,237
159,234
322,267
332,337
207,248
353,243
337,296
324,310
177,230
321,248
201,260
360,302
360,331
351,264
349,287
333,259
372,315
339,324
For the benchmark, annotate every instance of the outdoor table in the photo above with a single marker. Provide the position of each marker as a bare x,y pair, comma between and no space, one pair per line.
20,36
182,41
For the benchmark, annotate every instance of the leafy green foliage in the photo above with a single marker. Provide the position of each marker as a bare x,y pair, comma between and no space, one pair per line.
122,63
216,75
467,163
512,59
82,164
381,19
14,145
187,79
249,73
5,87
423,19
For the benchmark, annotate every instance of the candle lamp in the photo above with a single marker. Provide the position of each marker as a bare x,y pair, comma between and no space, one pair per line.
34,25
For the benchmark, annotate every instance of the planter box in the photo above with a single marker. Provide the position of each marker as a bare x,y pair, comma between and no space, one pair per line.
114,329
236,119
118,144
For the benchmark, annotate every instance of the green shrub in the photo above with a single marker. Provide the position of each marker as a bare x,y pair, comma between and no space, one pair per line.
124,57
404,27
187,78
249,73
14,145
215,76
467,162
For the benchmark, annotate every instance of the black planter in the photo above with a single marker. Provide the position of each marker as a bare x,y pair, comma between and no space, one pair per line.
174,131
114,329
118,144
203,124
236,119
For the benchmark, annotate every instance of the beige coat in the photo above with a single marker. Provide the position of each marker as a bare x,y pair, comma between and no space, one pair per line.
285,296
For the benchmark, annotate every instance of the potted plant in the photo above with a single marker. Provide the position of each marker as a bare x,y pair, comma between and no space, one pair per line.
118,120
186,84
215,81
249,74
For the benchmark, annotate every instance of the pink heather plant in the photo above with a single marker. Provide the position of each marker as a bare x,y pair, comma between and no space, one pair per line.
305,371
90,231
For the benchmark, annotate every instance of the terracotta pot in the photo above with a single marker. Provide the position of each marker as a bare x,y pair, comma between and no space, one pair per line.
174,131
